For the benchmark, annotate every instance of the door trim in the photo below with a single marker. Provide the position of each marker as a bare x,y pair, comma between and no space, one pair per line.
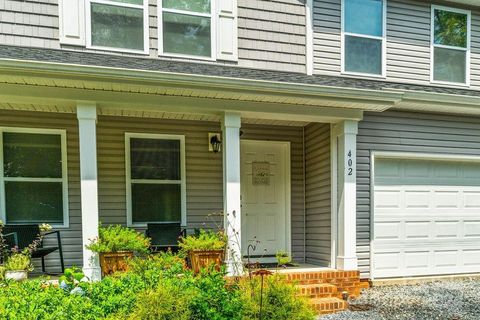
402,155
288,185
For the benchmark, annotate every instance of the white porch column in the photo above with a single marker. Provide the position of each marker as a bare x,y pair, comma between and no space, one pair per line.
346,133
231,190
87,122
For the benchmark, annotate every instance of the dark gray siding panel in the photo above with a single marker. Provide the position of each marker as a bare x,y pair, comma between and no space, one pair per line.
317,194
405,132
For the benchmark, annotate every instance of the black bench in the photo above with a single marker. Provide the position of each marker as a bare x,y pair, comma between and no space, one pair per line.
22,235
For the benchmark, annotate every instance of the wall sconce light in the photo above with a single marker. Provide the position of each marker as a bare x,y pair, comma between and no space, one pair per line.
214,142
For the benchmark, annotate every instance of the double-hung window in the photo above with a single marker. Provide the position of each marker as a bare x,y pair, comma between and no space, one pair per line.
450,45
155,167
186,28
33,176
118,25
363,29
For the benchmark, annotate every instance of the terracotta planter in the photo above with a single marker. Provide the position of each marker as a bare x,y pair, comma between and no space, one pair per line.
111,262
201,259
17,275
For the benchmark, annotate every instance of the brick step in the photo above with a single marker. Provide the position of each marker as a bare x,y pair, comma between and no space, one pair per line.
320,290
328,305
323,276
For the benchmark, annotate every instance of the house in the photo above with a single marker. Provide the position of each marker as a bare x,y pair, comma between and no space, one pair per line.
350,130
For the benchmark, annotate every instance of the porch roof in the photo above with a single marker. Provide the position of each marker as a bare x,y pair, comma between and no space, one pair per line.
102,73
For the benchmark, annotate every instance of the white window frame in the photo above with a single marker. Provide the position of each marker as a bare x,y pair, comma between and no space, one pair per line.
433,45
213,31
63,179
88,25
129,179
383,38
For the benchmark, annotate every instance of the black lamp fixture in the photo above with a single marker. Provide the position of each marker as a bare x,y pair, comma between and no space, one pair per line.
215,142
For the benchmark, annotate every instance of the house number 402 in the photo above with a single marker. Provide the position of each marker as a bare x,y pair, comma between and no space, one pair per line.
349,163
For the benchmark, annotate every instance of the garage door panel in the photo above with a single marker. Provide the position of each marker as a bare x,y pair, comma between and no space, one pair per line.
427,218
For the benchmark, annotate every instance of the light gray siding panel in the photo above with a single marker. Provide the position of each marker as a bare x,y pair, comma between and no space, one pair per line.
405,132
71,236
203,168
317,194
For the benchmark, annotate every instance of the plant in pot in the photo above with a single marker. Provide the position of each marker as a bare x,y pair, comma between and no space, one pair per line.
17,265
115,244
205,249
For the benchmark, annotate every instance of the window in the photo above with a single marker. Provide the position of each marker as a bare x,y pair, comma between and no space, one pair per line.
33,178
186,28
118,25
155,178
363,28
450,45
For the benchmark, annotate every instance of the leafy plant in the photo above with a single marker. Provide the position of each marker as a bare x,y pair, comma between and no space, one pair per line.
280,300
205,240
71,277
116,238
283,258
2,273
19,262
160,265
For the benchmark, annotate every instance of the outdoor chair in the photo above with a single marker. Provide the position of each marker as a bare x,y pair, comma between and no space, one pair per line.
25,234
164,236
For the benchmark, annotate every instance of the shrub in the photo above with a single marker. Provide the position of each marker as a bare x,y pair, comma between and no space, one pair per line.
117,238
18,262
154,267
170,301
206,240
2,273
280,300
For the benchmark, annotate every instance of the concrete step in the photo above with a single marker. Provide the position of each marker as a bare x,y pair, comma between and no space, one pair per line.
319,290
328,305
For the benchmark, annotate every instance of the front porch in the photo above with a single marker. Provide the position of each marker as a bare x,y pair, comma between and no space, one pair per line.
289,211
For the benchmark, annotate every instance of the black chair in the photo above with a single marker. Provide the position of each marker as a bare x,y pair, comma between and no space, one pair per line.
25,234
164,236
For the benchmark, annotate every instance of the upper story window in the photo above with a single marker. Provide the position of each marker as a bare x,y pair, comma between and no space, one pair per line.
450,45
186,28
33,176
119,25
363,28
155,178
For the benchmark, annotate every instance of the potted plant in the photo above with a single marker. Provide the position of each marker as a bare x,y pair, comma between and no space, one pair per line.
205,249
115,244
18,265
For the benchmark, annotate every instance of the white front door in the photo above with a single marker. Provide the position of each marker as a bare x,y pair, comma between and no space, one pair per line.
265,187
426,217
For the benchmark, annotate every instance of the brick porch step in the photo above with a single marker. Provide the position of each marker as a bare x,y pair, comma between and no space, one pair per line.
318,290
328,305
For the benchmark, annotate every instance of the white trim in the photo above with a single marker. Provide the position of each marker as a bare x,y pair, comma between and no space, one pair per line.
63,179
334,196
383,38
309,65
401,155
467,49
288,182
129,180
146,32
213,31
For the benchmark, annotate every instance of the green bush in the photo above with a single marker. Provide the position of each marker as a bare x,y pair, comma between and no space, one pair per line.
116,238
280,300
206,240
18,262
2,273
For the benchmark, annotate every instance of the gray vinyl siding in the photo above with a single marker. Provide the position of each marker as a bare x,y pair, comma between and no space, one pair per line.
204,173
271,34
405,132
71,236
408,41
317,195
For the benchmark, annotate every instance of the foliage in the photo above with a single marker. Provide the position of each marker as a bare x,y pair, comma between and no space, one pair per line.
116,238
171,302
159,265
18,262
71,277
280,300
2,273
283,258
205,240
450,28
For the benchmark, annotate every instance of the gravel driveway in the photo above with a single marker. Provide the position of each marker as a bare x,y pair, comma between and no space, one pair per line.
442,300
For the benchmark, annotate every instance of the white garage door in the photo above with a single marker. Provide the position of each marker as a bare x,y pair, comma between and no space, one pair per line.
426,217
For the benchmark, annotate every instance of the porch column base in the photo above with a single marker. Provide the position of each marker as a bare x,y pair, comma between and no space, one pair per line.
347,263
92,273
